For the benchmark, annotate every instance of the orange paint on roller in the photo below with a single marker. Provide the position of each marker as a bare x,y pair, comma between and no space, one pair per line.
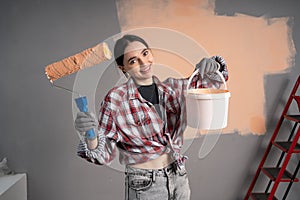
84,59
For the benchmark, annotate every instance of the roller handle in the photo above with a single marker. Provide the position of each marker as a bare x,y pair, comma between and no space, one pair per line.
82,105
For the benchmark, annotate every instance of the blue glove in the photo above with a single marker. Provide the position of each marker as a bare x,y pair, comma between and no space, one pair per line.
85,121
207,66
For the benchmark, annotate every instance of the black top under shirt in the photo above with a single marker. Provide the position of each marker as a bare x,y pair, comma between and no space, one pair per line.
150,93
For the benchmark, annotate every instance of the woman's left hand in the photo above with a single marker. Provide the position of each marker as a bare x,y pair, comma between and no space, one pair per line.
207,66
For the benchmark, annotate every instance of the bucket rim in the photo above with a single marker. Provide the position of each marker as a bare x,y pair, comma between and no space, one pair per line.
224,95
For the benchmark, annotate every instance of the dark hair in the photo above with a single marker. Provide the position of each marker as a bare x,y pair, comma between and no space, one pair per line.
122,43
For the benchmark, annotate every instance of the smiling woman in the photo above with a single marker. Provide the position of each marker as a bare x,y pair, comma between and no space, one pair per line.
144,119
271,48
138,60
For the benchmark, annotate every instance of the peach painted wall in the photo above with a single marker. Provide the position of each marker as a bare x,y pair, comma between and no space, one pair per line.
252,47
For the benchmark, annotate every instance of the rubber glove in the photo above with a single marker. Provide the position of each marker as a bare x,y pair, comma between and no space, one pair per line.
207,66
85,121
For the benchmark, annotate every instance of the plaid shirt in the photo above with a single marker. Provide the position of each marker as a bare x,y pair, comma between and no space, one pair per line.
131,124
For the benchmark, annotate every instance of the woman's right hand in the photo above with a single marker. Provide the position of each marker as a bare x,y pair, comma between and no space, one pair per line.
85,121
207,66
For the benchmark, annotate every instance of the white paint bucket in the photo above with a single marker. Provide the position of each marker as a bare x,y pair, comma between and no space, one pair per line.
207,108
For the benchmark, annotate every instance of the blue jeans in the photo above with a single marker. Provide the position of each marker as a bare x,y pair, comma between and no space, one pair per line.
168,183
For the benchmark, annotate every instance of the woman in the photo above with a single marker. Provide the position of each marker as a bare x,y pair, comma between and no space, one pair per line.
145,119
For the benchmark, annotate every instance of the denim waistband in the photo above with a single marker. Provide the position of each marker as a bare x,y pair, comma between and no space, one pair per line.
171,168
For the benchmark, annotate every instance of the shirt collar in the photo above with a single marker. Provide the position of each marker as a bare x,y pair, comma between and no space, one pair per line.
162,87
133,92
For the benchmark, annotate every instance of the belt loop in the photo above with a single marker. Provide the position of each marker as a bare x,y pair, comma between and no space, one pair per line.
153,175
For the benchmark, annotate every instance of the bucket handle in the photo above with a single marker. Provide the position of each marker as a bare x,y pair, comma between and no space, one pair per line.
197,71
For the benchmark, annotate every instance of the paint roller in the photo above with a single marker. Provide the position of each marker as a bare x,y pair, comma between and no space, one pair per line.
87,58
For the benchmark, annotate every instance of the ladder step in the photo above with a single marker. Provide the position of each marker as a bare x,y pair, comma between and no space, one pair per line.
285,146
295,118
261,196
273,172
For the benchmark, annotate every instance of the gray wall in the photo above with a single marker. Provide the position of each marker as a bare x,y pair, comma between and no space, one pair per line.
37,133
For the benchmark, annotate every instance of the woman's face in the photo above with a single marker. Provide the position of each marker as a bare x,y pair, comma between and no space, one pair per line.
138,60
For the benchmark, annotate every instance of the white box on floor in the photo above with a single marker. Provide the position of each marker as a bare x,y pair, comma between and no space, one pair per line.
13,187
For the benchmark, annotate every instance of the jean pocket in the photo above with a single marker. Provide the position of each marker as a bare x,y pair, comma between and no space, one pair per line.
139,182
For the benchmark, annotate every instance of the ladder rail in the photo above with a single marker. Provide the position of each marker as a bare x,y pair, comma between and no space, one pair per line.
291,183
282,154
284,112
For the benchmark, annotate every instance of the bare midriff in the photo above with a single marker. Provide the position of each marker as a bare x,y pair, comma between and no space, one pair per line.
158,163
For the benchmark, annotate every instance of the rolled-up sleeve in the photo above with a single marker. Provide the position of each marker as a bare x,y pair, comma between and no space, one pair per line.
107,135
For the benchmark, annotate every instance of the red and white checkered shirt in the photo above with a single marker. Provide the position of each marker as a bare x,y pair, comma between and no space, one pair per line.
132,125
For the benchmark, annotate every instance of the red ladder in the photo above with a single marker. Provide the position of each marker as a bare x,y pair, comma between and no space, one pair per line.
291,146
